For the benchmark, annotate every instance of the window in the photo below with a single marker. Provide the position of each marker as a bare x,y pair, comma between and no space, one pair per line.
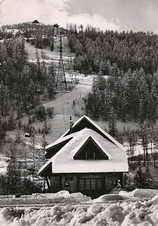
90,151
91,183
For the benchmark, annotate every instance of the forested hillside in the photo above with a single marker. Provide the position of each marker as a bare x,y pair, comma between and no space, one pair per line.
113,53
132,97
22,84
130,60
38,34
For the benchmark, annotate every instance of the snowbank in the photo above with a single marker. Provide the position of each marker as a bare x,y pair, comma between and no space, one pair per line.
7,219
154,200
96,215
110,197
124,213
143,193
61,194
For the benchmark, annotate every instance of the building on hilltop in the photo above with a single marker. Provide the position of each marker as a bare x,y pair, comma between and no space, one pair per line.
35,22
84,159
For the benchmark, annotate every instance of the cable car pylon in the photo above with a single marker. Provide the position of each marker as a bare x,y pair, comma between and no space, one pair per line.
61,83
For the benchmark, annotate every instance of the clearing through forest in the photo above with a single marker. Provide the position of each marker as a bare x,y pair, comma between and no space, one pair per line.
65,104
68,104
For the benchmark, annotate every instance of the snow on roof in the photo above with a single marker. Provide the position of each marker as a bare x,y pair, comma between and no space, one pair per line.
65,136
93,138
103,132
63,162
59,140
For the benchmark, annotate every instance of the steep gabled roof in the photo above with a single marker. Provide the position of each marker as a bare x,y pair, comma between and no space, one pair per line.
59,140
52,149
63,161
86,122
81,123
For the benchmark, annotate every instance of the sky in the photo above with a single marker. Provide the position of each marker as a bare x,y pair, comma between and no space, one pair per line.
137,15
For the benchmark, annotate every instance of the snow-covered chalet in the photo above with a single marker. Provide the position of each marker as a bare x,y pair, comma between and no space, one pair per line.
84,159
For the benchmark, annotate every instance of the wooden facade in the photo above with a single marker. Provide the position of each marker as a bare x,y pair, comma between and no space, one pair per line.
90,184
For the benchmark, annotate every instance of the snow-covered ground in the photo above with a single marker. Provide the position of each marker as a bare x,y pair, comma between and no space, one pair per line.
3,164
125,209
64,107
138,148
49,56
